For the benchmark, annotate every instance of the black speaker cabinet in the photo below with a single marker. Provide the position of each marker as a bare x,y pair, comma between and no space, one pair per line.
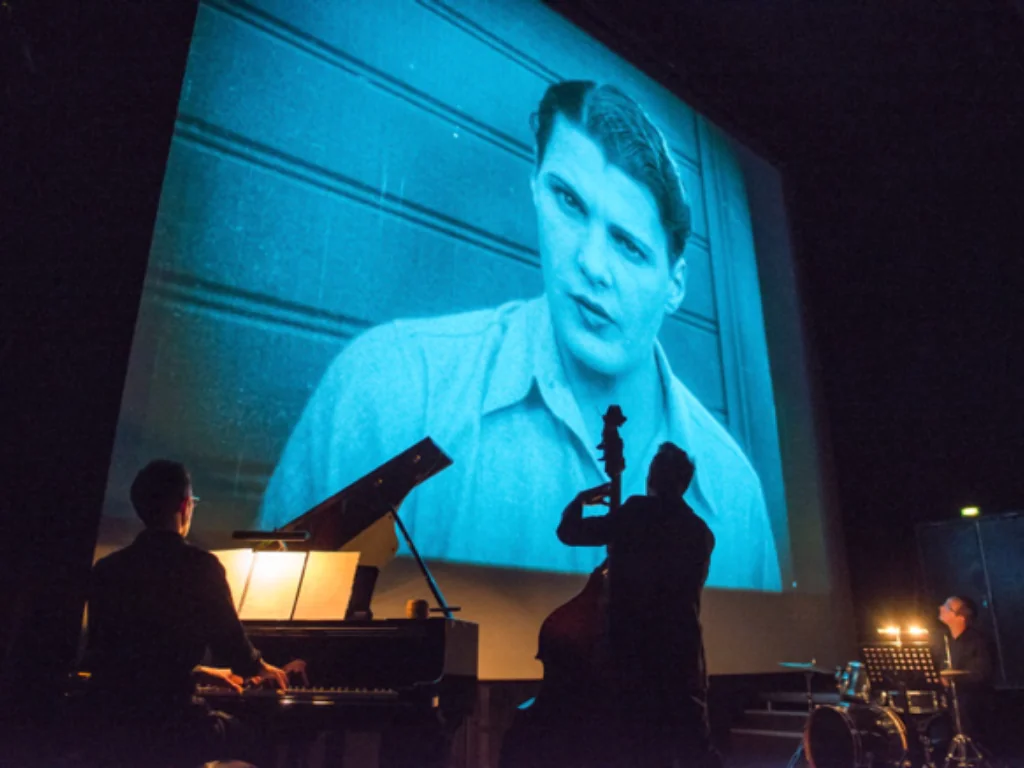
982,558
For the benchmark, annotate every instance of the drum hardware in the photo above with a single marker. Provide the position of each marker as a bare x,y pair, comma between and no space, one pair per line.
881,710
809,670
891,713
962,752
855,735
911,702
854,683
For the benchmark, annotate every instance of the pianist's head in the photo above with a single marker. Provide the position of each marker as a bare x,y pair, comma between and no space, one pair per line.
670,473
162,496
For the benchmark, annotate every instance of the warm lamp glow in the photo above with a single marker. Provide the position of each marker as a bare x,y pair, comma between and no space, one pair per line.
916,631
891,630
970,512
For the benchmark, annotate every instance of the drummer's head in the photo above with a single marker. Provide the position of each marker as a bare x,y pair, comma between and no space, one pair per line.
957,612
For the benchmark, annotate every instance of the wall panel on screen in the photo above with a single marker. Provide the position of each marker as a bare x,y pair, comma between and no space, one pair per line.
360,244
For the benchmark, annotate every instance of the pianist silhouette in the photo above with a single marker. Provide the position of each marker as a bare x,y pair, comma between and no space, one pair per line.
155,607
659,553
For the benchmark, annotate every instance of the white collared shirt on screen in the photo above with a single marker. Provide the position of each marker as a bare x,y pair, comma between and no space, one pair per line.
487,386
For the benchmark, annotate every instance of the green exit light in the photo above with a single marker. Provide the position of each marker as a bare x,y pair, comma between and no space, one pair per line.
970,512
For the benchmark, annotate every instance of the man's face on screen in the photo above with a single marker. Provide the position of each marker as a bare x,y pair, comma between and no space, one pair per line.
604,254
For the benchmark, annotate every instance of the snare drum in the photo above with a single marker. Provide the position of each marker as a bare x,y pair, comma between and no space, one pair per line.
853,684
854,735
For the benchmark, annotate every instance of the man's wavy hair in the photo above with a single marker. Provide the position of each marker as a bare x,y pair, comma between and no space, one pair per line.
629,140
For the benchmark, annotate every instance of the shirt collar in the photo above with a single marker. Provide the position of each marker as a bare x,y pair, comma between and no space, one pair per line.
519,362
159,535
682,407
529,354
679,402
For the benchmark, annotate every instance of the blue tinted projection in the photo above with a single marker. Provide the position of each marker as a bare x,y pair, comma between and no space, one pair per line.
359,245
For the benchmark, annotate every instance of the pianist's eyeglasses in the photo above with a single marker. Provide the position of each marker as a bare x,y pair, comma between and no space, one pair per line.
195,500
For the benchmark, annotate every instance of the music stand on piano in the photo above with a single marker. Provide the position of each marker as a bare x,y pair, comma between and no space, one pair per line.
334,522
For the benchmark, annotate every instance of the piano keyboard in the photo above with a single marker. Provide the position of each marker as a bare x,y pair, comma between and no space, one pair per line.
303,695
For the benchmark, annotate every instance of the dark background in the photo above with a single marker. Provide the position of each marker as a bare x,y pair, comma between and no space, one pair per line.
898,126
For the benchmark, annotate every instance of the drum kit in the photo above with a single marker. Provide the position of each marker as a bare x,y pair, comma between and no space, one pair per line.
875,724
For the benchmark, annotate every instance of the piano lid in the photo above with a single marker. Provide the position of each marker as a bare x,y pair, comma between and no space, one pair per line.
334,522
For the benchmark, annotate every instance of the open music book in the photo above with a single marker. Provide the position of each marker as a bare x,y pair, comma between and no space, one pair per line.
290,586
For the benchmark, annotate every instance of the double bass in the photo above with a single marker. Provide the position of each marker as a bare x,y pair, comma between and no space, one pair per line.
570,719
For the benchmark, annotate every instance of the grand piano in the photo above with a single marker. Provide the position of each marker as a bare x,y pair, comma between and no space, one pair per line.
409,681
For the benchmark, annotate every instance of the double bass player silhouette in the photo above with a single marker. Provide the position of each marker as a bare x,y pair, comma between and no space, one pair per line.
624,674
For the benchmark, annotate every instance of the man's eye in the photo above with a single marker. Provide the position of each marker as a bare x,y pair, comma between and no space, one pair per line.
630,247
569,200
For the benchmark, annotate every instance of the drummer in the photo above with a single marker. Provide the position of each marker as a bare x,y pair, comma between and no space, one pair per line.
970,652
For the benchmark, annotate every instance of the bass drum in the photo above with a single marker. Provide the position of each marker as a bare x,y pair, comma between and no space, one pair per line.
854,736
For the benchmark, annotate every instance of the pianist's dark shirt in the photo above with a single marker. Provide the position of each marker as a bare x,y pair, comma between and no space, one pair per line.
658,559
154,608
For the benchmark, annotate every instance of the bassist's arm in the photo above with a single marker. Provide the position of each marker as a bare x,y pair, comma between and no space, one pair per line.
575,530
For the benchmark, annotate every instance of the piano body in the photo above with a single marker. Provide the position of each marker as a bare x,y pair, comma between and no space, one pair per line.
378,675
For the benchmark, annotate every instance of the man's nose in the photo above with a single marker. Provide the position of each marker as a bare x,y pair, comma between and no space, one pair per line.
593,257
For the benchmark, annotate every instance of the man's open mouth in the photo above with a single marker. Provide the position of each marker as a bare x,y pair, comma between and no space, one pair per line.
591,309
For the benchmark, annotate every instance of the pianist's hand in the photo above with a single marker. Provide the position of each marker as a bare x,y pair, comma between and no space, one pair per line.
271,676
296,671
218,678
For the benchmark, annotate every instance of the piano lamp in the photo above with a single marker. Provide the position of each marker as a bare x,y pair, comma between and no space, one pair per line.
266,537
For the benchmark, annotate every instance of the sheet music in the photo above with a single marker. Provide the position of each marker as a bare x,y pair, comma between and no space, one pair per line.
273,586
284,586
326,586
237,566
907,663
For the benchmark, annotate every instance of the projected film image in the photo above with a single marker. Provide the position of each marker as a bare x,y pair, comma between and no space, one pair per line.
393,220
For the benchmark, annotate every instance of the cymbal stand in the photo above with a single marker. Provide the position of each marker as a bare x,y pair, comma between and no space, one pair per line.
799,753
962,752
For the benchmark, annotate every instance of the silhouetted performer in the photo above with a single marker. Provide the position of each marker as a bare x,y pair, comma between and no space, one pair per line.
659,552
969,650
155,607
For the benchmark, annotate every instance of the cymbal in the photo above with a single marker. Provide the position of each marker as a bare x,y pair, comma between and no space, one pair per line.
953,672
803,666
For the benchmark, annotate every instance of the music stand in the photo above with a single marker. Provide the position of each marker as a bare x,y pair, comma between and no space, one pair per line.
908,667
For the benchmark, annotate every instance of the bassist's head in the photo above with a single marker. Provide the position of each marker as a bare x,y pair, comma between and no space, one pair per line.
670,473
